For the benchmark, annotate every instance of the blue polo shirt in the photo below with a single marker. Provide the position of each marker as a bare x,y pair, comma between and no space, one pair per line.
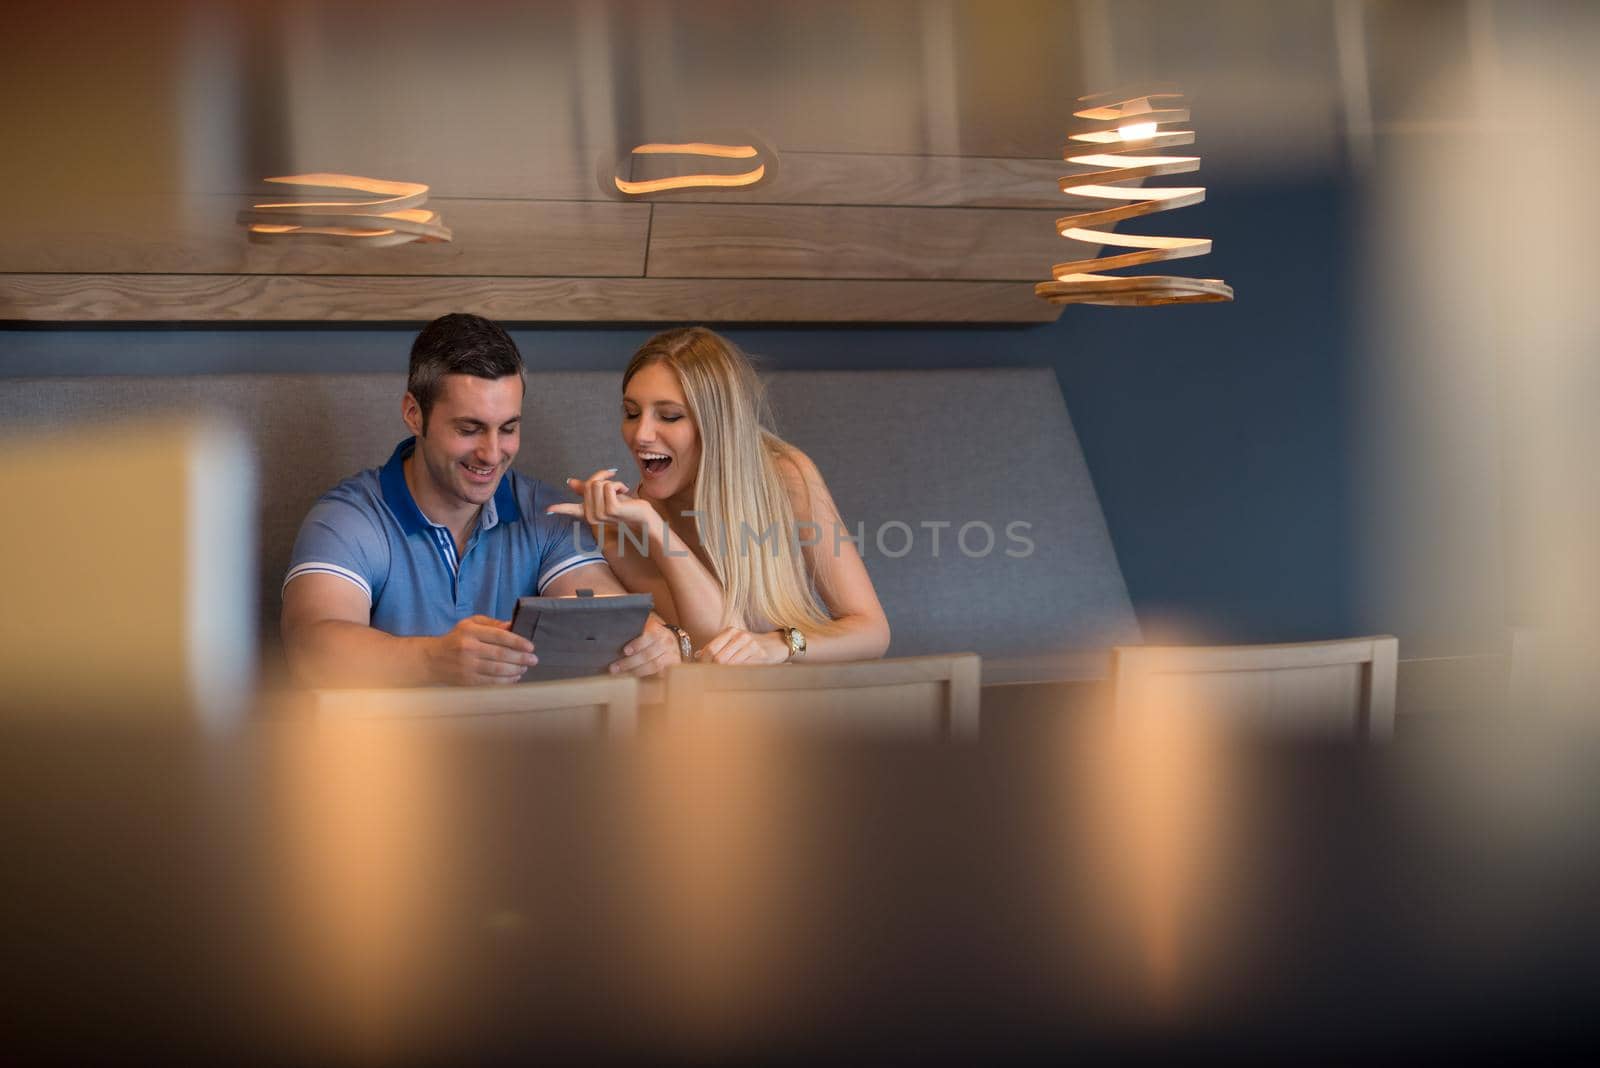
369,531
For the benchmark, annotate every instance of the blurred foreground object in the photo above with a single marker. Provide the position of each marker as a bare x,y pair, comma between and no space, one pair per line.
727,889
1335,687
1555,672
129,574
1123,123
1476,435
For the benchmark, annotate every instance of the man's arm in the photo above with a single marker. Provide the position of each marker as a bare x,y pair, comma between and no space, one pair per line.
329,642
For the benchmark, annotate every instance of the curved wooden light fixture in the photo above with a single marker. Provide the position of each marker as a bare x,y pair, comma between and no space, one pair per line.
1123,124
754,150
390,214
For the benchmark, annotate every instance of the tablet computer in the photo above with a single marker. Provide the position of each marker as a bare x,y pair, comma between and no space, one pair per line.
582,635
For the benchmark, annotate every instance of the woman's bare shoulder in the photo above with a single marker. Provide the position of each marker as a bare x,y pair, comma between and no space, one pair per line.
796,468
803,482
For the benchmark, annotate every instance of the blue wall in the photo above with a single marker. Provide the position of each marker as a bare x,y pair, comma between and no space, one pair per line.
1218,435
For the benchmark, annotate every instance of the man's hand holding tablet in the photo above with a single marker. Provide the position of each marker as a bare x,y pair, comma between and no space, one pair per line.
480,651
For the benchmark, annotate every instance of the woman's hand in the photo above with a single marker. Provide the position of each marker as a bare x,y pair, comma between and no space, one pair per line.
605,500
739,646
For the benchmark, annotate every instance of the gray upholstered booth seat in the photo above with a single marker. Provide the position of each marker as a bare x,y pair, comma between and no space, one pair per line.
979,523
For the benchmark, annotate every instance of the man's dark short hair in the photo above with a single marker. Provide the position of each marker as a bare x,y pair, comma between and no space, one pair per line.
458,344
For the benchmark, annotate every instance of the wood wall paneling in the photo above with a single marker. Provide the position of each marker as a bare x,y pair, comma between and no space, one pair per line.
800,178
311,298
171,234
772,241
901,241
910,181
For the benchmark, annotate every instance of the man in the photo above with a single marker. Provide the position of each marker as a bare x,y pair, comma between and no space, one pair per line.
407,574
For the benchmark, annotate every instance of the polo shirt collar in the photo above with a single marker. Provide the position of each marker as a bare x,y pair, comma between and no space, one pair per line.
504,502
502,507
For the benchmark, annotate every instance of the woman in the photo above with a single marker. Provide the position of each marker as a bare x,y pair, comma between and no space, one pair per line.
731,528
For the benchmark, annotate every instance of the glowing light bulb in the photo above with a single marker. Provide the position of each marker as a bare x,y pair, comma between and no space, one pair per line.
1137,131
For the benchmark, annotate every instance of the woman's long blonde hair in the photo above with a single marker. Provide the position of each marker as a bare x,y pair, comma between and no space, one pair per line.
739,495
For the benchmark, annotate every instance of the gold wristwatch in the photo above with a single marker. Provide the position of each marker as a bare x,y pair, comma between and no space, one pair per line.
797,643
685,646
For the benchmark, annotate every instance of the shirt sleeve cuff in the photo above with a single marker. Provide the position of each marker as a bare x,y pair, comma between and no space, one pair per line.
571,563
318,568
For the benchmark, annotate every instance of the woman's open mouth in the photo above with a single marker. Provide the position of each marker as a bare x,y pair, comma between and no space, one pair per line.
654,463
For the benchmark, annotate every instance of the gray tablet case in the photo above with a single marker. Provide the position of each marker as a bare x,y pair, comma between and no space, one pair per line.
582,635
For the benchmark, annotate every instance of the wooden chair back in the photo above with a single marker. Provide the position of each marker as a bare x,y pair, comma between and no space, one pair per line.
919,695
603,704
1331,687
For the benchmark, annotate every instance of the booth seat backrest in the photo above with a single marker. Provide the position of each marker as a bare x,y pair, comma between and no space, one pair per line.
978,520
1023,571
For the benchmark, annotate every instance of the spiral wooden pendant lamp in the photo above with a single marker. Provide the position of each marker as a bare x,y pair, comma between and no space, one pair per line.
1123,123
683,165
368,212
695,181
